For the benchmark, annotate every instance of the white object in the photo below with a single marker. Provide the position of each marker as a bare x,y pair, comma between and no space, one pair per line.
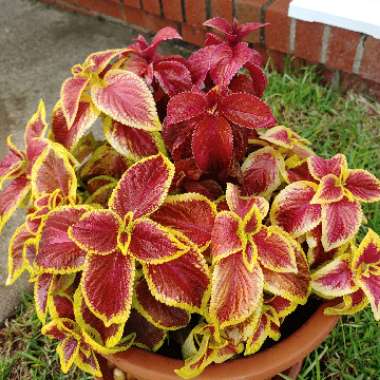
357,15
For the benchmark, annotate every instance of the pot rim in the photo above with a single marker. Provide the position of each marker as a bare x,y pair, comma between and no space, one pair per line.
262,365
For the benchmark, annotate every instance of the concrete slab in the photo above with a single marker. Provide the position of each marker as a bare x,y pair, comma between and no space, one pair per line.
38,45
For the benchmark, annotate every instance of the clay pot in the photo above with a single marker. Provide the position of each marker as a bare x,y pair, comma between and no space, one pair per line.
283,356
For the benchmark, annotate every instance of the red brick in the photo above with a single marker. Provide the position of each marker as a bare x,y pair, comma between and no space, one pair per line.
370,66
342,49
132,3
172,9
308,42
195,11
277,33
221,8
106,7
250,11
146,20
152,6
193,35
276,59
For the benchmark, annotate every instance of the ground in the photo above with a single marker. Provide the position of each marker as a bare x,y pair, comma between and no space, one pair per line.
39,44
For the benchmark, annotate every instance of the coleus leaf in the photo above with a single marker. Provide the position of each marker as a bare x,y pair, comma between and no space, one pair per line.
127,99
182,282
235,292
11,163
366,264
217,155
101,196
227,236
319,167
247,111
107,286
173,77
143,187
132,142
33,136
16,257
104,161
147,336
261,172
330,190
241,204
292,210
97,231
52,171
334,279
154,244
183,212
11,197
230,60
164,34
71,92
364,186
67,351
98,61
351,304
104,339
42,293
57,253
185,106
85,117
294,287
275,250
340,222
160,315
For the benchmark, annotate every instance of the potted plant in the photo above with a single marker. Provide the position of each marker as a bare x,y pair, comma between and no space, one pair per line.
195,228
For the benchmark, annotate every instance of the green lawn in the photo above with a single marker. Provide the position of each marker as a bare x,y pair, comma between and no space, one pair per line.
334,123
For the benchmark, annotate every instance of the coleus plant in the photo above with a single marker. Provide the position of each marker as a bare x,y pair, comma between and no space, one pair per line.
195,217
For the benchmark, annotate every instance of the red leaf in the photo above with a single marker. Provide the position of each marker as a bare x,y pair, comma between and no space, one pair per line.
161,315
174,77
182,282
212,143
11,197
42,288
185,106
319,167
231,60
153,244
247,111
292,210
259,79
126,98
164,34
274,250
57,253
340,222
85,117
130,142
334,279
363,185
261,172
143,187
235,291
227,235
16,263
220,24
97,231
184,212
71,92
148,336
294,287
107,286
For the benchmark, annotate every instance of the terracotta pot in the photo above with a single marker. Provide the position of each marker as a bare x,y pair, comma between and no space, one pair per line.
285,355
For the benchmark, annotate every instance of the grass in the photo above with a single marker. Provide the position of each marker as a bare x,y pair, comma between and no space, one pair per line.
334,123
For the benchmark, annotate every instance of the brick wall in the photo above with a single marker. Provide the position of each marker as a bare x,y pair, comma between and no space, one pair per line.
350,57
